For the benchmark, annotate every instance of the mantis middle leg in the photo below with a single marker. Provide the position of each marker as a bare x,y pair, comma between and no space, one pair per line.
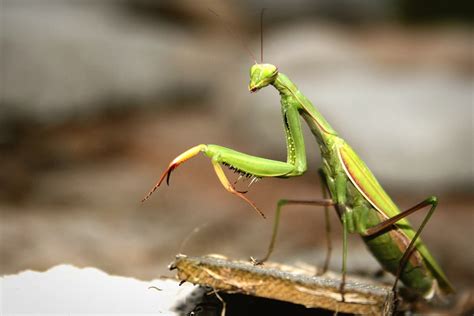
276,223
325,202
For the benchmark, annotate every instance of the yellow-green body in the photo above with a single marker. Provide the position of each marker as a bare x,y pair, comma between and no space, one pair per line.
360,201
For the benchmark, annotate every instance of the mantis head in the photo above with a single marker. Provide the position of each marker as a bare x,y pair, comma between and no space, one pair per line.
261,75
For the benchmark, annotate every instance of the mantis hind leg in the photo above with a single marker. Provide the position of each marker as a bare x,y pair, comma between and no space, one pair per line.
276,223
433,201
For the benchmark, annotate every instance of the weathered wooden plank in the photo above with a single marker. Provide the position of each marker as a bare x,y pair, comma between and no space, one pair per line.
285,283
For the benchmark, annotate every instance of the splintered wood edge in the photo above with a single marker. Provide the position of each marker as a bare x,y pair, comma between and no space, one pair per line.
275,281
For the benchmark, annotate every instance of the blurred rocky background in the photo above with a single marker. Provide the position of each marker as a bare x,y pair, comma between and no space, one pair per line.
98,96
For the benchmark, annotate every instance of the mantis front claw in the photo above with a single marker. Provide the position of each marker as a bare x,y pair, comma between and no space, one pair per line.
173,165
166,174
230,188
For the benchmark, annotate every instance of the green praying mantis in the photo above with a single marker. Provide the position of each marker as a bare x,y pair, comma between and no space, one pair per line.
361,203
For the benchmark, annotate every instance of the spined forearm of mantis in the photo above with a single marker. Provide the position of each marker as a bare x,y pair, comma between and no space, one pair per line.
361,203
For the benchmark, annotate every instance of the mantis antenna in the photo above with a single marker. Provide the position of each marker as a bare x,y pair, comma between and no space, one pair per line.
261,35
235,34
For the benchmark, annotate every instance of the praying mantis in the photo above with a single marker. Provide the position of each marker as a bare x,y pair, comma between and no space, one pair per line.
361,203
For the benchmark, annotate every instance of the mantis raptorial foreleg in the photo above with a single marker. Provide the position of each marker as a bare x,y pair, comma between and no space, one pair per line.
243,163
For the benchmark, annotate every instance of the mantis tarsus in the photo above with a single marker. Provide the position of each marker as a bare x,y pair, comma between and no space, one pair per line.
360,201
